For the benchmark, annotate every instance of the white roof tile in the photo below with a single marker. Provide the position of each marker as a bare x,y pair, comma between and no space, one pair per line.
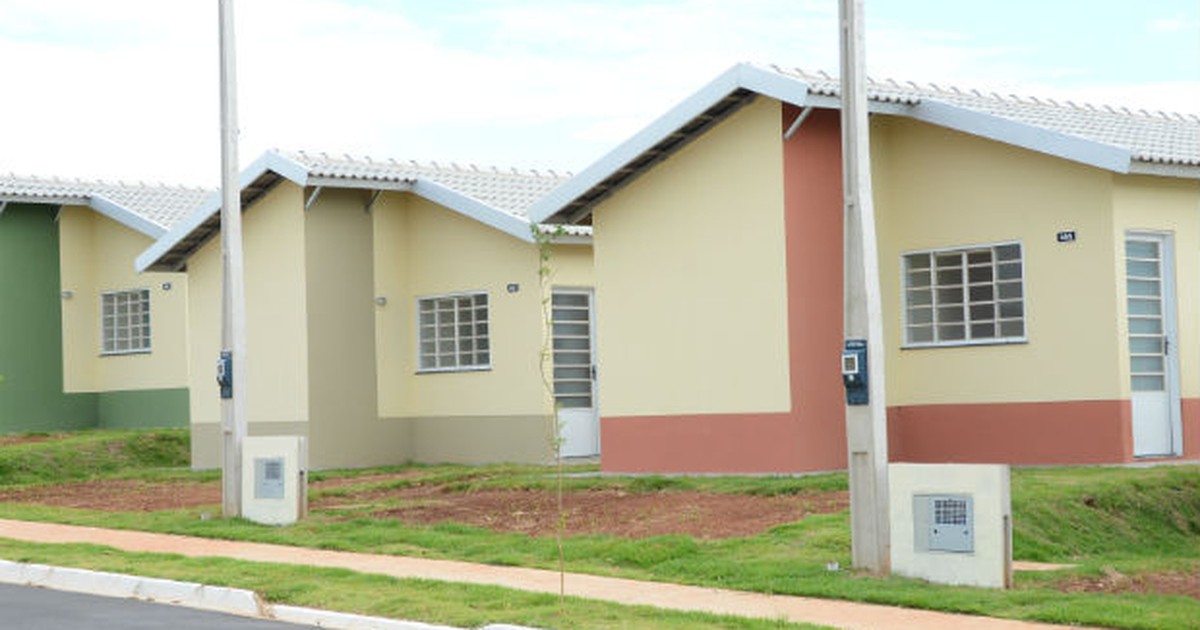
161,205
1155,137
510,190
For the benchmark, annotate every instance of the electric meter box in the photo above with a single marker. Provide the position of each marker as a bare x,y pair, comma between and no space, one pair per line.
274,479
951,523
944,522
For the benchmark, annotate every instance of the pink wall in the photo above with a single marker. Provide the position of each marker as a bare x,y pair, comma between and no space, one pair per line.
1070,432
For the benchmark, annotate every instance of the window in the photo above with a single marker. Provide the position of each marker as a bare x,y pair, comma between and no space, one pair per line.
125,321
962,296
452,332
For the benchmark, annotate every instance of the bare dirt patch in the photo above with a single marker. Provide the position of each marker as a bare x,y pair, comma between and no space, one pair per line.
9,440
615,512
119,495
1164,583
605,511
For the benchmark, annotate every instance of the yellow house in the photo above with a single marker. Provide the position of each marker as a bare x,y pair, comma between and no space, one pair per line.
394,313
1040,268
86,342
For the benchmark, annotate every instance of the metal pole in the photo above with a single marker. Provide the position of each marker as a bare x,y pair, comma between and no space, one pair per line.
233,302
866,425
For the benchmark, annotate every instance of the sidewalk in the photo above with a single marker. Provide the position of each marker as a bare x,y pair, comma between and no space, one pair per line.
834,613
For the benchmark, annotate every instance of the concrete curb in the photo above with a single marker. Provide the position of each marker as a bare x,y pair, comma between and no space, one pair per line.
213,598
346,621
192,595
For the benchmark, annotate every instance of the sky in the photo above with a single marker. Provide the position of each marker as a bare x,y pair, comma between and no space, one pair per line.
128,90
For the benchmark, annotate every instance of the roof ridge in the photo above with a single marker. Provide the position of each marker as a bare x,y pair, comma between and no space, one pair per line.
451,166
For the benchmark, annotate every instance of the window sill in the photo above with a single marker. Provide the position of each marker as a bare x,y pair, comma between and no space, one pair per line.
966,344
121,353
474,368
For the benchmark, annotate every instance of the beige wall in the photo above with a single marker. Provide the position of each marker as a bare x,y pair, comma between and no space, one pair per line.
328,361
344,424
1167,206
938,188
96,255
422,249
691,291
571,266
276,304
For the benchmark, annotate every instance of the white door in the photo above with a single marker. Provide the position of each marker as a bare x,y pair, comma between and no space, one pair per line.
575,371
1153,362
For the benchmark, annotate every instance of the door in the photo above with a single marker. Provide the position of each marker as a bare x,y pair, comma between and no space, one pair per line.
1153,359
575,371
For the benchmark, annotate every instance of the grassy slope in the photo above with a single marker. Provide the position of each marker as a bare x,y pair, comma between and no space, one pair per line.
1129,520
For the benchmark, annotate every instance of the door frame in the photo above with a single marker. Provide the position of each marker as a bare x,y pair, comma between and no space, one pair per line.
590,292
1170,300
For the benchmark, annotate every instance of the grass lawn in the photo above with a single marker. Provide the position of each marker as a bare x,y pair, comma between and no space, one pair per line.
1124,529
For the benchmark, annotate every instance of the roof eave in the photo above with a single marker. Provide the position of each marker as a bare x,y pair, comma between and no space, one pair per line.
151,259
560,234
1165,169
633,151
48,200
1040,139
99,203
473,208
125,216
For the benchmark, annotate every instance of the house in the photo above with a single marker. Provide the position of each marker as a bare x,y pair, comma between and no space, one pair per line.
1039,263
394,313
85,342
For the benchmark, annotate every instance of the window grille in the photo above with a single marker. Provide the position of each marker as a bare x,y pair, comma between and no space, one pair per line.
125,321
964,296
453,333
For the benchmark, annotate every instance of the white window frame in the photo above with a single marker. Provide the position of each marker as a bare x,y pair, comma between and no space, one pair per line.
421,327
110,328
967,340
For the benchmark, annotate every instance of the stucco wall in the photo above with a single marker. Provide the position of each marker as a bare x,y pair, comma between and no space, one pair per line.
1158,204
31,360
96,256
937,188
330,361
276,304
691,278
344,426
422,250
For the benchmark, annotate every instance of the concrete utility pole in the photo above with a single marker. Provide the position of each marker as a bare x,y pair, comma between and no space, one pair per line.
866,425
233,302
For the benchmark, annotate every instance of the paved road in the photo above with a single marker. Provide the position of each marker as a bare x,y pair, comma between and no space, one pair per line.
42,609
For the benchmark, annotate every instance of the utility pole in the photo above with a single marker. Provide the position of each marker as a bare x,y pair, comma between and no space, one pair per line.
233,294
866,424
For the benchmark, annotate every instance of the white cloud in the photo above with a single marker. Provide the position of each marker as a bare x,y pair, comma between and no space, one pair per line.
1171,25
